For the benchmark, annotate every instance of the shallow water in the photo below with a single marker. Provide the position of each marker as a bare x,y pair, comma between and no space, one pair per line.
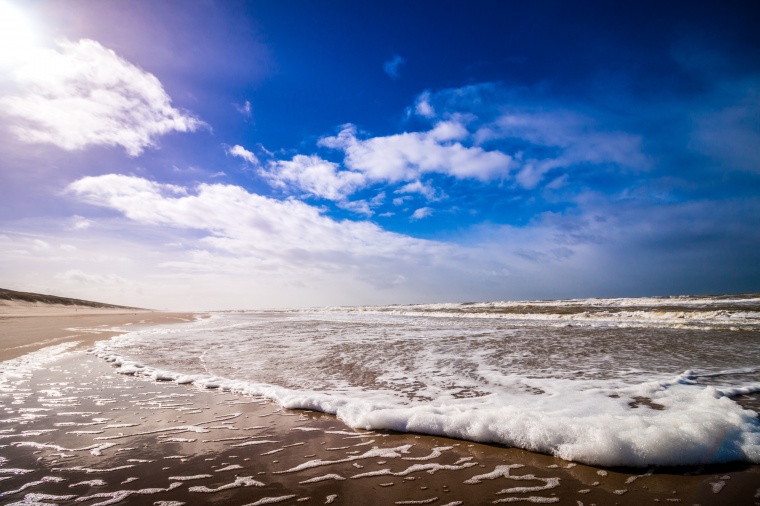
73,431
602,381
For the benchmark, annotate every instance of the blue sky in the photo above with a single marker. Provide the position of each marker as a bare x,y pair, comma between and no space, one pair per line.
211,155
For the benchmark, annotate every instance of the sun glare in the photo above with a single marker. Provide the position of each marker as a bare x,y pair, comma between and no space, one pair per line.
17,35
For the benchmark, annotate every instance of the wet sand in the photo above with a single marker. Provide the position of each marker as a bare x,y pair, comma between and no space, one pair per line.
74,431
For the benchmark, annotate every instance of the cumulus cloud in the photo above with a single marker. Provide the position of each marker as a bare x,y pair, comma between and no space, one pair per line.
377,200
475,134
82,94
418,187
241,152
253,226
407,156
422,106
392,66
402,158
269,251
314,175
422,212
357,206
540,138
216,245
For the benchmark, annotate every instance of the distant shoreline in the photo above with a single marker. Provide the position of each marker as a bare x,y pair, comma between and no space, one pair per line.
29,326
14,297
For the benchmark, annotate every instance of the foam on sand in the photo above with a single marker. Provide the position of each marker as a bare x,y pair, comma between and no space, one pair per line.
606,393
319,459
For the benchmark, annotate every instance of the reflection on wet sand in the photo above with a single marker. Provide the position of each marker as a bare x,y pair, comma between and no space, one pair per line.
75,432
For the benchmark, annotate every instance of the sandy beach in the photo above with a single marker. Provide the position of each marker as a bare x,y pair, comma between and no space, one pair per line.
74,431
27,326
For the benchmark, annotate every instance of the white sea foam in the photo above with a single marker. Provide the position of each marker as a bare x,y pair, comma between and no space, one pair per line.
36,499
119,495
19,369
14,470
89,483
187,478
429,468
240,481
499,472
679,312
231,467
90,470
601,381
271,500
46,479
325,477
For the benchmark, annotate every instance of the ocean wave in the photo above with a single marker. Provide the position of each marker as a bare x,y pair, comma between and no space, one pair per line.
698,313
604,396
671,423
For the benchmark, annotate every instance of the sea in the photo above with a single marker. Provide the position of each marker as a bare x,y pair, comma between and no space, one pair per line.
608,382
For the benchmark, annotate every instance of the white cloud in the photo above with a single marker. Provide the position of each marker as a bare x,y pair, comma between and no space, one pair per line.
244,109
543,139
245,250
80,223
377,200
422,106
527,145
357,206
577,135
82,94
221,247
558,182
77,276
448,131
407,156
418,187
392,66
422,212
532,173
250,225
315,176
240,151
18,35
397,158
40,245
571,138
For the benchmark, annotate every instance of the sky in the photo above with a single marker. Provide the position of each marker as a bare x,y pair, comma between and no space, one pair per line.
209,154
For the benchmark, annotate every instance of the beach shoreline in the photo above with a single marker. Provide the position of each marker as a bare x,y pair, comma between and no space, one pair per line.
76,430
27,327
